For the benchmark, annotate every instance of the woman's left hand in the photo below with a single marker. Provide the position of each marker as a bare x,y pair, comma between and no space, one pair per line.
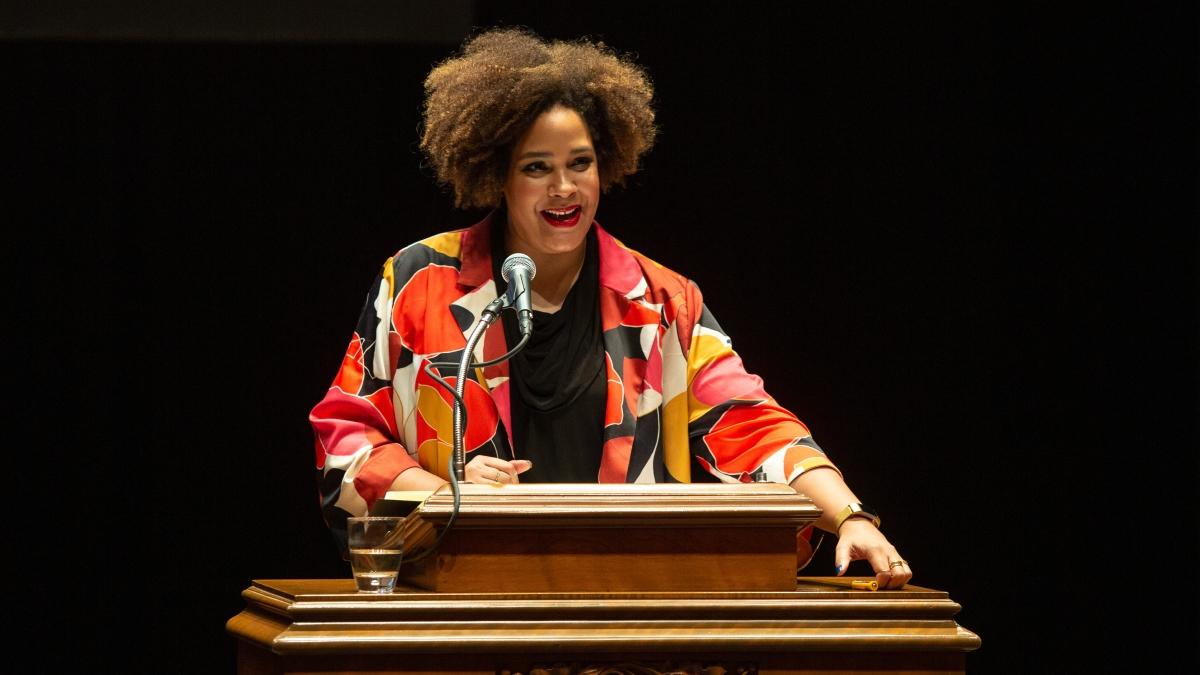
486,470
859,539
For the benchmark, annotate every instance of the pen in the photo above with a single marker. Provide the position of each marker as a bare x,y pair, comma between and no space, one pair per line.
853,584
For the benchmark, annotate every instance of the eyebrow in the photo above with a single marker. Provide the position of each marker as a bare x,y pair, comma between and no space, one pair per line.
574,151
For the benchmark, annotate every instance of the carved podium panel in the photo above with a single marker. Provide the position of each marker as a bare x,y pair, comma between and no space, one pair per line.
558,579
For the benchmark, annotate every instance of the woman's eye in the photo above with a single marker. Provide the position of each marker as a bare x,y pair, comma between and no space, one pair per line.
582,162
534,167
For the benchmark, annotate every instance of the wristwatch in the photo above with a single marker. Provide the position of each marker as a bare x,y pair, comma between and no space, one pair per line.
855,510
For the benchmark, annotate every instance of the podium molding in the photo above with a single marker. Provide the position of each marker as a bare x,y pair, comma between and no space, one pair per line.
325,626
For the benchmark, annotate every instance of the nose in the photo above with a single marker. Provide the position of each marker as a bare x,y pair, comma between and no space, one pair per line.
561,184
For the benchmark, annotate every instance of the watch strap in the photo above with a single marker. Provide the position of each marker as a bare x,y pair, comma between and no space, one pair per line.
855,510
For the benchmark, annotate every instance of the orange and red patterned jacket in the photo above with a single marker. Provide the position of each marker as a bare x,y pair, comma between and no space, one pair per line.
678,400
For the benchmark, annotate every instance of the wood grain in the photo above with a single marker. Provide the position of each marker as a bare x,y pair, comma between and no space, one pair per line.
331,628
624,537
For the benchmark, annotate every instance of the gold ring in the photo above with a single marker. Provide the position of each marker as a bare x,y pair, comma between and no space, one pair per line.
898,563
497,478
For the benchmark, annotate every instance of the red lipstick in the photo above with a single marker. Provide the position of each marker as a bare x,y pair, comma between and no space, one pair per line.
568,217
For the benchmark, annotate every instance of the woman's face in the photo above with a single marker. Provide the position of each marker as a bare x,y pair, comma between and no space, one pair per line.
553,186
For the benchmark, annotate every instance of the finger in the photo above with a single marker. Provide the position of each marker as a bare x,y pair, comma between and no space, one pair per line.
879,562
492,470
901,572
480,478
483,470
488,461
519,466
492,475
477,469
503,465
841,557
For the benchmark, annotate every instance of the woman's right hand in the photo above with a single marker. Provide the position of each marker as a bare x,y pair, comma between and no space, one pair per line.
486,470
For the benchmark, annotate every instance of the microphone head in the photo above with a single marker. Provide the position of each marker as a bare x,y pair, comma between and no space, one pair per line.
514,261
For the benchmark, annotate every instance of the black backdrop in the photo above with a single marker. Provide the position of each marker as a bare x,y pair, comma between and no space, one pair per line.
960,243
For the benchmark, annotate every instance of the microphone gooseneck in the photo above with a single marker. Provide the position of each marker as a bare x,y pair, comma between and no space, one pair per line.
518,270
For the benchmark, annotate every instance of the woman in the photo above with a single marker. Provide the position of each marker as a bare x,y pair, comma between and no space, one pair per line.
627,377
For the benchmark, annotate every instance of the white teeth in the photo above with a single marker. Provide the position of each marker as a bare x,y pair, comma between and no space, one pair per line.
561,212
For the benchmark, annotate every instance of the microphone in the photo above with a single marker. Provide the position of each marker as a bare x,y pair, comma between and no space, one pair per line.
517,271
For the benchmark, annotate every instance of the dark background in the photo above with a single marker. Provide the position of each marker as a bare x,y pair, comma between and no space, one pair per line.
959,242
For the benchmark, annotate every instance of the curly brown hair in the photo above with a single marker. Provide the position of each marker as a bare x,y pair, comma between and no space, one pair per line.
479,102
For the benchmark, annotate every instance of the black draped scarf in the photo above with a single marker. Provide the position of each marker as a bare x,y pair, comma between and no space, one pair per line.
558,389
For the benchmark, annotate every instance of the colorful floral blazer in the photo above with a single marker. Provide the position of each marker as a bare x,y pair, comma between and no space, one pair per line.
678,400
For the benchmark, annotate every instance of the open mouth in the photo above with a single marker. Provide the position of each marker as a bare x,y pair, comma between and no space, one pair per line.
565,217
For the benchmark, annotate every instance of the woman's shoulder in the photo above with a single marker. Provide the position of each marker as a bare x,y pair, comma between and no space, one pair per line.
635,273
443,251
466,251
443,248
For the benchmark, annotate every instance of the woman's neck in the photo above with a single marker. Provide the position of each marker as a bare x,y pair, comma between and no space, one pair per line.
556,274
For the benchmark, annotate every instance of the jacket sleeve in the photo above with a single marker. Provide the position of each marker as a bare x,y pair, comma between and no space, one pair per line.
357,439
735,428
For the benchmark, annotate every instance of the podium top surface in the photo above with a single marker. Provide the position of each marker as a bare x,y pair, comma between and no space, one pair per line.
809,591
620,505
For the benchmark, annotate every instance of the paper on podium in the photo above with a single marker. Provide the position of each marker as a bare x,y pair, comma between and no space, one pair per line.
399,502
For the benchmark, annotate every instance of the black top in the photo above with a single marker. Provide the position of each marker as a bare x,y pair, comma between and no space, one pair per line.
558,389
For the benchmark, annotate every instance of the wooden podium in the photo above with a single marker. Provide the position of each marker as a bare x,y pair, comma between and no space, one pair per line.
561,579
576,537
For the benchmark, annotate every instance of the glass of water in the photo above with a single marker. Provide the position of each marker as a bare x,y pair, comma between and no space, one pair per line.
376,548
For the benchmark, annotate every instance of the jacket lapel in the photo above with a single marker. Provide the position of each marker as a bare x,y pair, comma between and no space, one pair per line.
633,350
479,289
